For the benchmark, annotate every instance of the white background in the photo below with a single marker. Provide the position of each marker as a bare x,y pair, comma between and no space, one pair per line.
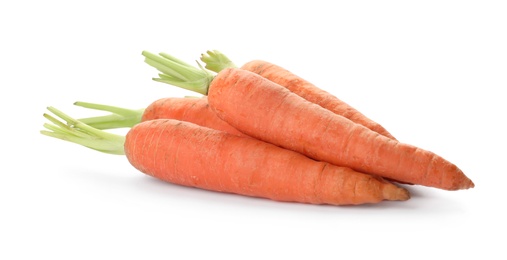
432,72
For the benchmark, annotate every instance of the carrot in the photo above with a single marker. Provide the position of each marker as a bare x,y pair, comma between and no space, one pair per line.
194,110
184,153
217,61
270,112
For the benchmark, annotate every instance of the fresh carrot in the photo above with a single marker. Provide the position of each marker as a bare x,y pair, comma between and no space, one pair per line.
184,153
217,61
194,110
270,112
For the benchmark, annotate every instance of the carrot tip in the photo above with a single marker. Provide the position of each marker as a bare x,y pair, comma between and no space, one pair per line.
462,182
468,184
393,192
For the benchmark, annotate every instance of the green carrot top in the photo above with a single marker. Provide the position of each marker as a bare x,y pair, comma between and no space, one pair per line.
119,117
89,131
75,131
216,61
178,73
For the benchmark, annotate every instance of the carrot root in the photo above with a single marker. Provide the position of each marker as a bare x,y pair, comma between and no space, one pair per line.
268,111
302,126
217,61
187,154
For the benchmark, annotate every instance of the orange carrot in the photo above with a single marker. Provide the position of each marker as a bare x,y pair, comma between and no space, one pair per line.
270,112
216,61
187,154
194,110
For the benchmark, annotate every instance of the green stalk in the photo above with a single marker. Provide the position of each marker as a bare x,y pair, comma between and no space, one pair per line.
75,131
119,117
178,73
216,61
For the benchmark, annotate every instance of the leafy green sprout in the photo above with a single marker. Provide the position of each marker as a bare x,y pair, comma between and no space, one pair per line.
89,132
64,127
179,73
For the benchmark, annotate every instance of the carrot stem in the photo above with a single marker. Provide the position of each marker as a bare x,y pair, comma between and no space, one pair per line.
178,73
216,61
75,131
119,117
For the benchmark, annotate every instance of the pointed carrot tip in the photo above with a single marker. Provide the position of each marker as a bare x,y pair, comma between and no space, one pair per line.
468,184
463,184
457,181
393,192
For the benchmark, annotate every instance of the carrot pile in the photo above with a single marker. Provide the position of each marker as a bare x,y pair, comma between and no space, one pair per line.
261,131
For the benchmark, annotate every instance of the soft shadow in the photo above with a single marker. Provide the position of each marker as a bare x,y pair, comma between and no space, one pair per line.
161,188
424,200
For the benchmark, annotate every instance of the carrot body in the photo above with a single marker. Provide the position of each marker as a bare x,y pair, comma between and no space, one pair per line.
265,110
194,110
312,93
187,154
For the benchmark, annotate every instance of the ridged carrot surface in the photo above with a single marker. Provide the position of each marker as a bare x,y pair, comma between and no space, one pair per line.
194,110
217,61
310,92
187,154
265,110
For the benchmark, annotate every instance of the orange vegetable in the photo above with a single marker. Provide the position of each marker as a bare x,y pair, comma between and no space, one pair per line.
194,110
216,61
270,112
187,154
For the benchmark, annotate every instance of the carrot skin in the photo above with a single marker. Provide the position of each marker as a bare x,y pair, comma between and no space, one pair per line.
265,110
194,110
187,154
312,93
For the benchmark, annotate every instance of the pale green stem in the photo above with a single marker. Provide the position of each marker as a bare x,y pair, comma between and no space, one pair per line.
78,132
216,61
119,117
178,73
